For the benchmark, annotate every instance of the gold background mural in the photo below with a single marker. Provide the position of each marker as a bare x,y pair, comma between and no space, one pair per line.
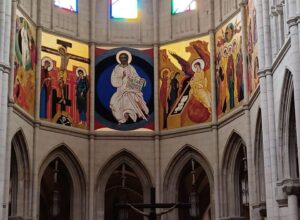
229,66
185,83
25,63
64,81
252,57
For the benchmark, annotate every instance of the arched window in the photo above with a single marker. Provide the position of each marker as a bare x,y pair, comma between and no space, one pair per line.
179,6
70,5
124,9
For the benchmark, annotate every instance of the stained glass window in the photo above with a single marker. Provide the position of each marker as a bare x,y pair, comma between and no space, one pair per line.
124,9
70,5
179,6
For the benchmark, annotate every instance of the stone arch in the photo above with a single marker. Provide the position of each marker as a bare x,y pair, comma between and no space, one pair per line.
174,170
259,172
19,177
122,157
288,156
79,204
230,167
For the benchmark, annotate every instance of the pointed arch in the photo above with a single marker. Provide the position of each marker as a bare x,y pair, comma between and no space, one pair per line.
259,170
122,157
19,176
230,167
173,174
287,130
78,179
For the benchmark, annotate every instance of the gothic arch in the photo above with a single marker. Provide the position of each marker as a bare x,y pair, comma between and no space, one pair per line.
259,172
173,173
129,159
288,156
19,176
78,179
230,167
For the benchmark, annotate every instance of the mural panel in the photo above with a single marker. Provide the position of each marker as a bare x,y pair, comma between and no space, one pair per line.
124,89
252,57
64,81
25,63
229,66
185,83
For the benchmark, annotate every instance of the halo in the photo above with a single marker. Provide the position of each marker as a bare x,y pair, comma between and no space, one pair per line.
80,68
44,59
63,48
165,70
202,64
225,52
126,52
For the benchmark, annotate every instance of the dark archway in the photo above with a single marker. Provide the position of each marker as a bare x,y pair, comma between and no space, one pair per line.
234,179
19,178
62,186
194,172
109,182
178,185
55,192
123,186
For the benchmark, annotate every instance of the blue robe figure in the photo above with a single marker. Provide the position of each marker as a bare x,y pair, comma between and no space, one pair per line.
81,96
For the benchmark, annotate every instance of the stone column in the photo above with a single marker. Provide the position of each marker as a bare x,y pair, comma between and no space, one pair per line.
156,155
92,133
10,110
35,190
248,142
216,165
5,27
265,57
292,189
91,160
293,23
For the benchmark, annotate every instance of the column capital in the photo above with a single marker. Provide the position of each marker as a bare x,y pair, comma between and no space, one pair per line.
5,68
243,3
293,21
290,186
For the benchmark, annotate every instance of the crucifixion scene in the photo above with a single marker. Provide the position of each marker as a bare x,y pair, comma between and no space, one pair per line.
64,95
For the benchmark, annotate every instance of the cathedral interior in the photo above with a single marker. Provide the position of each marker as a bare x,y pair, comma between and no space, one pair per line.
149,109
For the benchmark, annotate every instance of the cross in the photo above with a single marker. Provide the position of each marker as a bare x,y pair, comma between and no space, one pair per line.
59,100
153,206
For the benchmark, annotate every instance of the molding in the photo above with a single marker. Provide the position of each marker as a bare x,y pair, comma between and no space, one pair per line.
5,68
22,114
254,96
293,21
281,54
261,208
231,116
190,130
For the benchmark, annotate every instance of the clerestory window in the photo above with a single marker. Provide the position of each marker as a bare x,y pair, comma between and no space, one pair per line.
70,5
124,9
179,6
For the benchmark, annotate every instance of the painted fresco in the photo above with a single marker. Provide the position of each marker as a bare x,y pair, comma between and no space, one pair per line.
185,83
229,66
64,85
124,89
25,63
252,57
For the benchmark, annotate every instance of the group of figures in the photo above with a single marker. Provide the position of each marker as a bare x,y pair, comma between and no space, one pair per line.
61,88
229,67
185,94
124,81
252,57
